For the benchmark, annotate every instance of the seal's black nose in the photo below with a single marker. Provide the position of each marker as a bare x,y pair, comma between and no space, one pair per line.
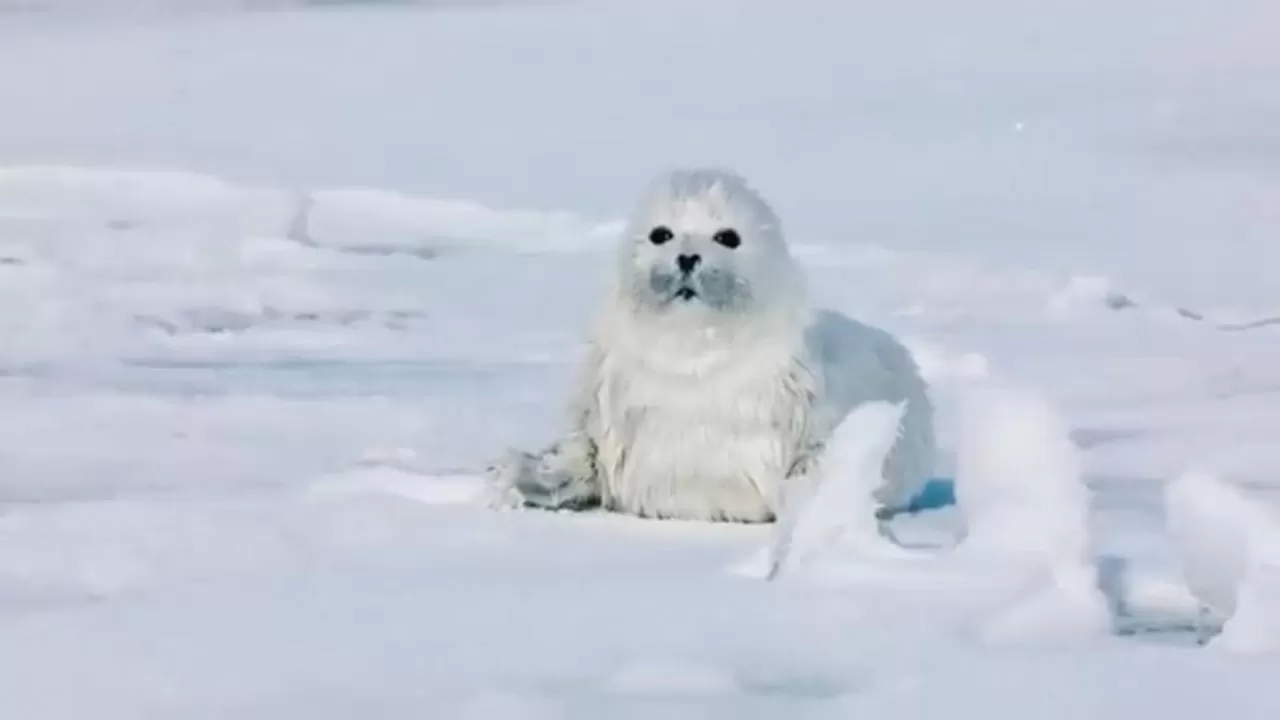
687,263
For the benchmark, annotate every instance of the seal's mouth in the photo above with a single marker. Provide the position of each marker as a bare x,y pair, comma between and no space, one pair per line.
686,293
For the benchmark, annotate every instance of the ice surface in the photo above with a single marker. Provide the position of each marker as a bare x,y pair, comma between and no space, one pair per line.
275,285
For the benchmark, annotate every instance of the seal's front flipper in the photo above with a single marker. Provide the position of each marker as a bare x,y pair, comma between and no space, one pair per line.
560,478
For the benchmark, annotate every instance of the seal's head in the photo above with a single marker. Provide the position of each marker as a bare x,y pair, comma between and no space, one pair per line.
703,245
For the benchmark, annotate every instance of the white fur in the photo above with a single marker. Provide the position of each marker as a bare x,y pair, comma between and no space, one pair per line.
708,408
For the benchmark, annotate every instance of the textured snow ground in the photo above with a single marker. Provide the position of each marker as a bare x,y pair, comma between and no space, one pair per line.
273,286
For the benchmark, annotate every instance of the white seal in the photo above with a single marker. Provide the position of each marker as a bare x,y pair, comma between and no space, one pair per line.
711,386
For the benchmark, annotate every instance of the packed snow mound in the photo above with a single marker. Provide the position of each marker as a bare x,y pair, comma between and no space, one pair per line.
1229,552
1019,477
1215,531
1024,571
1020,488
837,506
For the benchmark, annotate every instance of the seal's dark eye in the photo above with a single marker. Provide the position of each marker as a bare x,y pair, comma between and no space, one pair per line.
727,237
660,234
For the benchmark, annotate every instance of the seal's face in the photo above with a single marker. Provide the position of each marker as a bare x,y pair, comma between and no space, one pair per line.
694,270
702,242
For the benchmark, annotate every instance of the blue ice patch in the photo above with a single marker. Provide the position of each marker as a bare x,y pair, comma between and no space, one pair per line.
936,494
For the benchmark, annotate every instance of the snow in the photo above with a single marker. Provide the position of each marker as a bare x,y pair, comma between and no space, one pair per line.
1020,568
1018,477
276,285
1228,546
838,505
1020,489
1212,527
